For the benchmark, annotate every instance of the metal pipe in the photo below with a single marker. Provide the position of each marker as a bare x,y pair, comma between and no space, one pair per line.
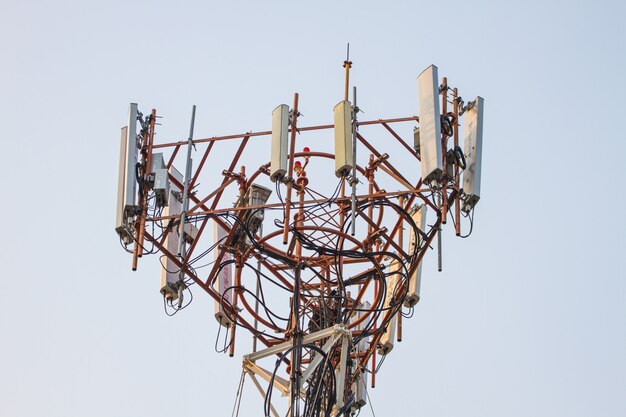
294,122
238,270
439,262
186,186
269,132
370,192
256,298
146,173
457,179
355,110
296,353
146,155
341,378
400,229
444,147
373,365
347,65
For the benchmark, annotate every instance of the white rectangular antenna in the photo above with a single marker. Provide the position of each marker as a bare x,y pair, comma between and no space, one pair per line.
362,345
161,181
126,177
415,280
387,339
121,225
158,162
224,279
416,139
280,142
430,124
170,272
131,158
343,138
473,154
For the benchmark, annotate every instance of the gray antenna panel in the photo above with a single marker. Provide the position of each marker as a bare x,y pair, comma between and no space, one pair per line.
280,142
415,280
120,214
224,279
170,271
126,182
473,154
430,124
343,138
387,339
131,159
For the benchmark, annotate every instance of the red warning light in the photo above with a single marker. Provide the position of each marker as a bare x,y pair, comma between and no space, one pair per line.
306,149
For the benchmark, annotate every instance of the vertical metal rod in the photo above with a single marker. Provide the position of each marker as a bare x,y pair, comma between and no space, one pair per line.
296,353
444,146
256,300
141,219
370,192
443,203
341,379
374,365
439,262
347,65
186,187
401,244
238,270
355,110
457,179
292,145
146,172
300,222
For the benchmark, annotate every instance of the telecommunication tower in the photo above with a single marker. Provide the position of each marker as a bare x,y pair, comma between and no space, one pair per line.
316,251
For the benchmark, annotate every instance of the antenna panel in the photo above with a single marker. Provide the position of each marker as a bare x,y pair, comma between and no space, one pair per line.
170,271
387,339
126,182
161,183
130,181
121,224
473,154
416,139
343,138
430,124
224,278
280,142
415,279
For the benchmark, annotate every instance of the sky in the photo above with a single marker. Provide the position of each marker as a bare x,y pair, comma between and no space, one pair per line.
527,317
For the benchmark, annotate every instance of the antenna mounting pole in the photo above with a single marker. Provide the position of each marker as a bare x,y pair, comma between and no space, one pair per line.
181,244
347,64
353,180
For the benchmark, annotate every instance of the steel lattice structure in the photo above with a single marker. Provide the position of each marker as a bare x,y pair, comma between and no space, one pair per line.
322,269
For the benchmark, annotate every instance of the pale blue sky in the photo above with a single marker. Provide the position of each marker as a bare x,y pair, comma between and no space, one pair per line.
528,317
